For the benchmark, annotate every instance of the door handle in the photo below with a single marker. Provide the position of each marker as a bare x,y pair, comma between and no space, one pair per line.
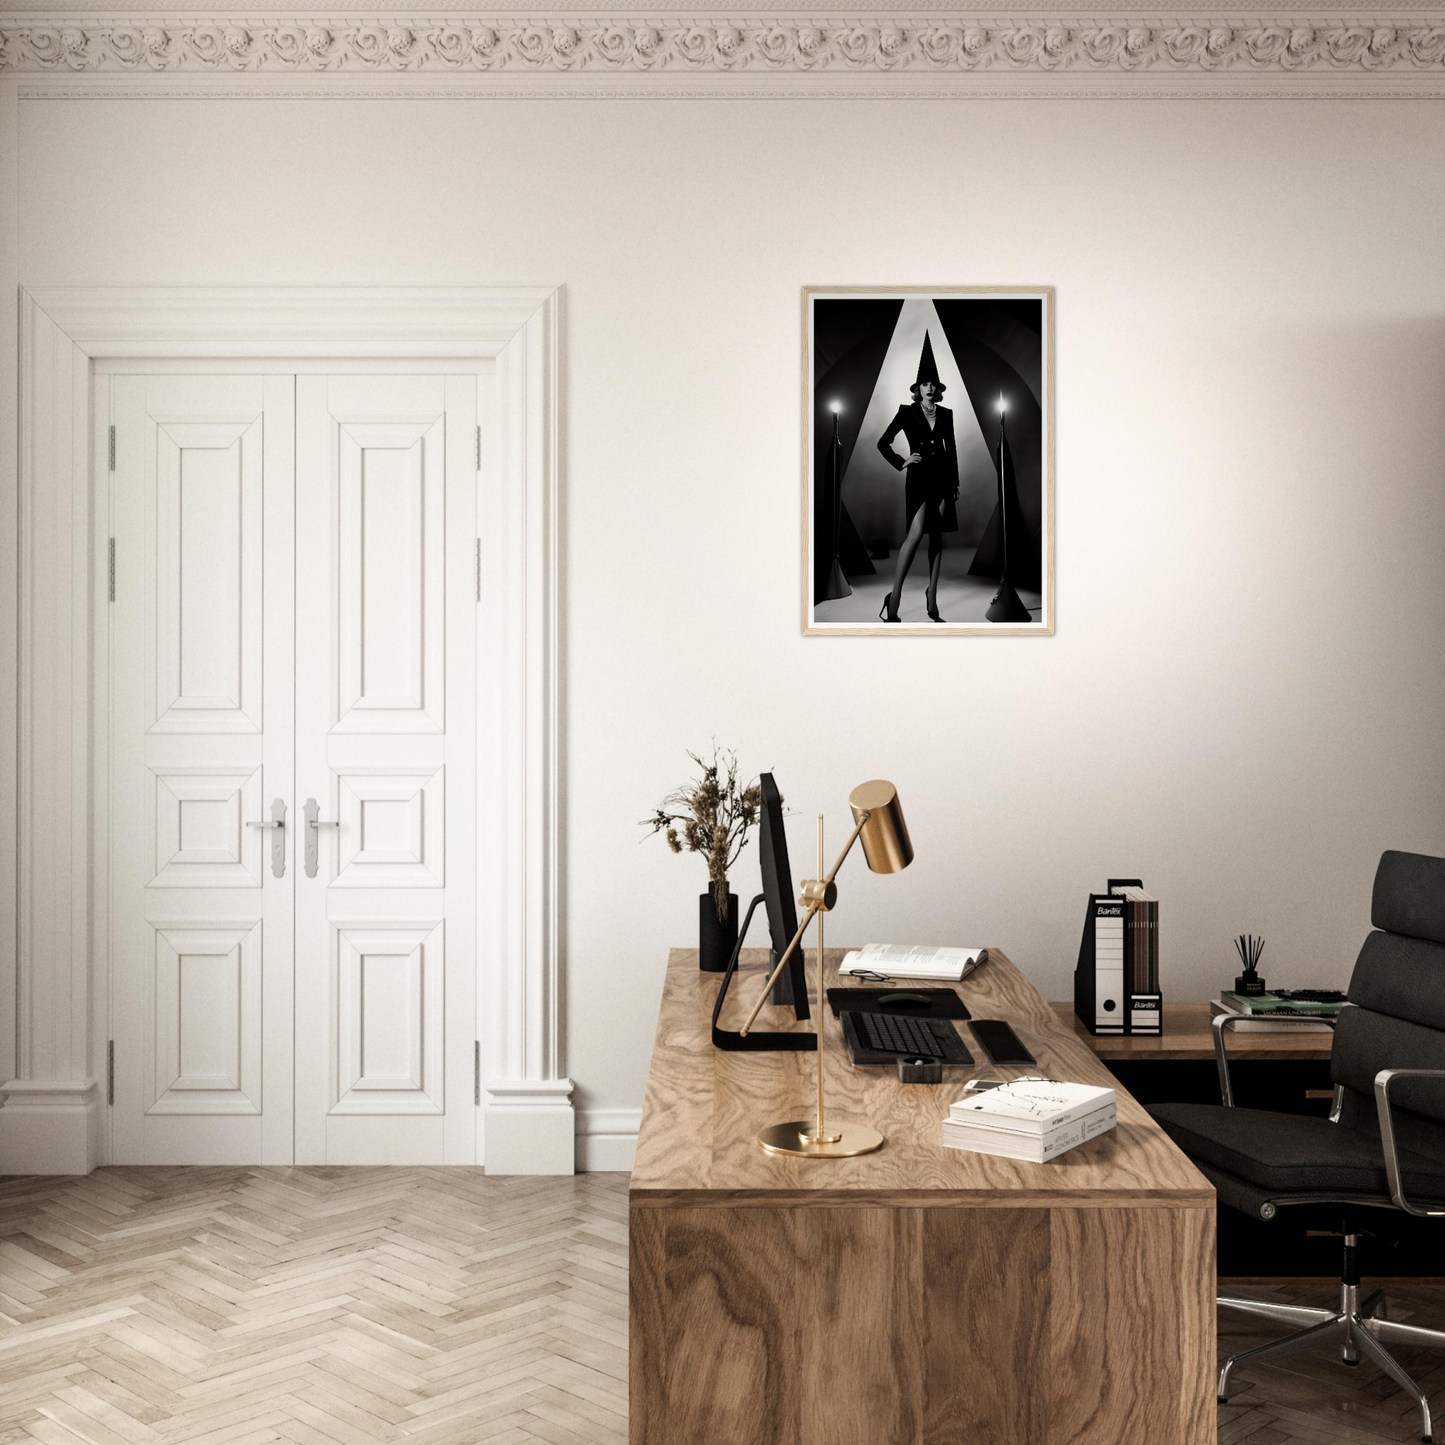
278,841
314,825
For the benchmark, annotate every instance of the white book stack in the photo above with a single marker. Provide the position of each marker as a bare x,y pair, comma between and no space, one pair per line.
1030,1119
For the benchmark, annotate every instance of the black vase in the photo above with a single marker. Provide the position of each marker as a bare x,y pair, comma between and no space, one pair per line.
715,940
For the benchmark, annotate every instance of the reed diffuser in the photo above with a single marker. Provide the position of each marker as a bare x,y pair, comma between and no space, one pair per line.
1249,948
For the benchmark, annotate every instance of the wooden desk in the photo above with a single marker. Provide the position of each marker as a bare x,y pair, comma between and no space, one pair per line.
918,1295
1188,1036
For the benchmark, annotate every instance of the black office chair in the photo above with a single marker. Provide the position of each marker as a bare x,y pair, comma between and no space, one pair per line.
1383,1146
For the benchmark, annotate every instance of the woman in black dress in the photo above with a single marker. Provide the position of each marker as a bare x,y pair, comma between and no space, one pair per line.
930,485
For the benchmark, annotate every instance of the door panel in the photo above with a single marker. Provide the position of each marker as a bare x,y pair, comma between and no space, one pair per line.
390,574
385,675
207,1054
209,560
201,743
390,994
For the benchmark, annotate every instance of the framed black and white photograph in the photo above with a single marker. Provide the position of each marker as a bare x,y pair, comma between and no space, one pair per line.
928,469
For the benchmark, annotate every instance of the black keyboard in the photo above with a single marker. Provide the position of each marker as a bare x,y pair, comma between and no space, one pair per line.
902,1037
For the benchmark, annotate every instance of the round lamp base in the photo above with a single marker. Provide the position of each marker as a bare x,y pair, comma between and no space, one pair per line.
794,1138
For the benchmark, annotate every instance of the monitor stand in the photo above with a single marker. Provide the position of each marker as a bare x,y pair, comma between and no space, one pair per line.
759,1040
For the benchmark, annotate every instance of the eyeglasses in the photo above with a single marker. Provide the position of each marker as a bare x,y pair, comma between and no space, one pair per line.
871,976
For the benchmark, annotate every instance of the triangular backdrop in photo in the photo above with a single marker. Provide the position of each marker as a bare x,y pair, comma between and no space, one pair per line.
873,490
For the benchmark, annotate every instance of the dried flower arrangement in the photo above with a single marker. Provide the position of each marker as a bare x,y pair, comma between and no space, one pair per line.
710,816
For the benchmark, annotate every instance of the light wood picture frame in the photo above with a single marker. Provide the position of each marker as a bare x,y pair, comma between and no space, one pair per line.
957,495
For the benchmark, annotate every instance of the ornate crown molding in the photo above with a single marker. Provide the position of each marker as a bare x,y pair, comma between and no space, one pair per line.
930,46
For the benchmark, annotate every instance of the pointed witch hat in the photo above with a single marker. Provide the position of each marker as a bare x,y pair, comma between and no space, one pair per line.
927,366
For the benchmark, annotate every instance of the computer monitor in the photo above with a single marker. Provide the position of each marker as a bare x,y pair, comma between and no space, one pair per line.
791,987
777,897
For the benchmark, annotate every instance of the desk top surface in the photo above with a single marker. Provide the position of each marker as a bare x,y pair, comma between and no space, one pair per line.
1187,1035
705,1106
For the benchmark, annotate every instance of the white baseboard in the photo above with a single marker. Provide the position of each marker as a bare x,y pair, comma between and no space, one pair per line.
530,1127
49,1126
607,1139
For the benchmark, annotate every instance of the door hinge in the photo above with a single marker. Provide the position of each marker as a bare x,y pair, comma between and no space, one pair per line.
112,448
477,1072
479,569
479,447
110,569
110,1072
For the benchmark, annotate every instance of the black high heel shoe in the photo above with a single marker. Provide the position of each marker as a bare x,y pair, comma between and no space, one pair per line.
882,610
933,612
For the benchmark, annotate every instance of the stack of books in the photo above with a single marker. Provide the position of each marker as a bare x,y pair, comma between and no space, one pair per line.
1263,1012
1031,1119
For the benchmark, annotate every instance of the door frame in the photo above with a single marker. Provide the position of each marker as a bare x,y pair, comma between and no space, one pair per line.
53,1046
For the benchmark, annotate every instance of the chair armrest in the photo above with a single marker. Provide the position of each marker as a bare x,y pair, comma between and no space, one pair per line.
1383,1080
1223,1021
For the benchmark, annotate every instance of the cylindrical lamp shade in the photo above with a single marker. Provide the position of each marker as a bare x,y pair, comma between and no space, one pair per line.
885,840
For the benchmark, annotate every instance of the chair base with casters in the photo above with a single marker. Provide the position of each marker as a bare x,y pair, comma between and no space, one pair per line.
1360,1328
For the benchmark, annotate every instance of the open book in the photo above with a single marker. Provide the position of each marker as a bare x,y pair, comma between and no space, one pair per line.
902,960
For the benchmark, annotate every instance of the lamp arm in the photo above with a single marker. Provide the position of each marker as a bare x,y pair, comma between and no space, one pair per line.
813,910
788,952
848,847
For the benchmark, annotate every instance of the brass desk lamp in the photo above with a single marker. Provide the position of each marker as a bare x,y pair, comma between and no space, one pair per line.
878,821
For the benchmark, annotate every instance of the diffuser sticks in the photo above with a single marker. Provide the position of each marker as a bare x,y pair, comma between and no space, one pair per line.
1249,948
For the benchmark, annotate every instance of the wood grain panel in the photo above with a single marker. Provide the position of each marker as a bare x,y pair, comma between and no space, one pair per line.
704,1107
986,1297
1196,1287
1131,1327
732,1328
860,1330
646,1328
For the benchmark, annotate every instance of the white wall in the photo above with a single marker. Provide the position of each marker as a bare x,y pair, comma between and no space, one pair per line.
1243,700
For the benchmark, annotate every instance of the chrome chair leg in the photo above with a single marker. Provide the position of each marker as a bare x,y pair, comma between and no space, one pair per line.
1373,1350
1401,1334
1285,1314
1349,1308
1301,1340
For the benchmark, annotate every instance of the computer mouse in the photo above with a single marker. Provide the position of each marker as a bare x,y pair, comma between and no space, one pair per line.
902,999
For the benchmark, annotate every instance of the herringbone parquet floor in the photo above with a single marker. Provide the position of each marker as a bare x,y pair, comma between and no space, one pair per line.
318,1306
429,1307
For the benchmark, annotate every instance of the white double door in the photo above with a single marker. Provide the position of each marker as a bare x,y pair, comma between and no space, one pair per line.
292,642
